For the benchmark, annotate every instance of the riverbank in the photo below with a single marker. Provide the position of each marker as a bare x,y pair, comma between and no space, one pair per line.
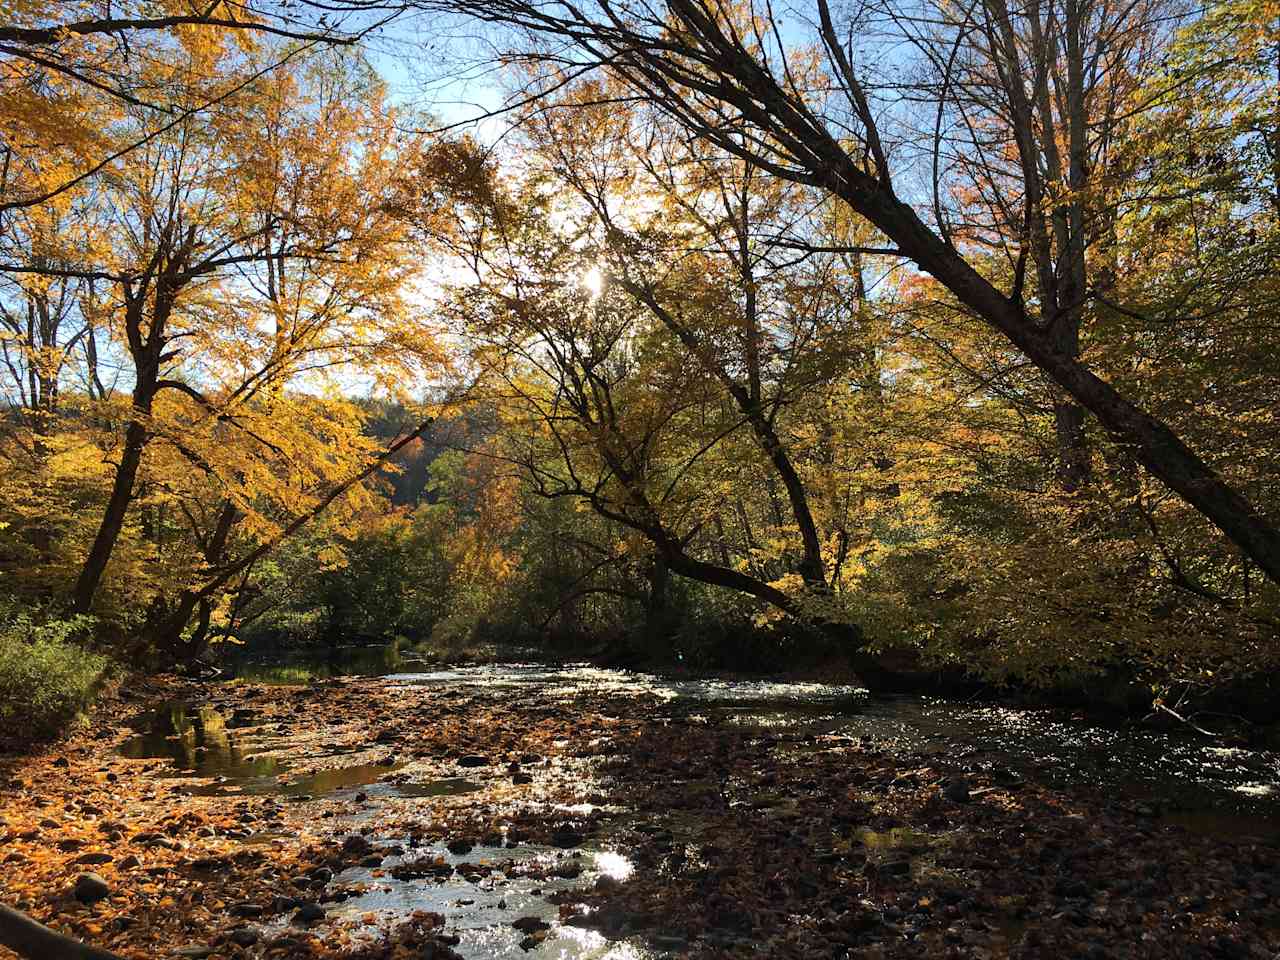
586,820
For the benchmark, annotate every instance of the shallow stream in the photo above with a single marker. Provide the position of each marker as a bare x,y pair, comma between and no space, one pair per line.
1182,779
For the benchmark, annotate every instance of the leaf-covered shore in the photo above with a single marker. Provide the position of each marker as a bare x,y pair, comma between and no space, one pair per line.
740,842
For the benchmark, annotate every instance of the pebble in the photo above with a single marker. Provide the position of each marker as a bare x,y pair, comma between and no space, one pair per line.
357,845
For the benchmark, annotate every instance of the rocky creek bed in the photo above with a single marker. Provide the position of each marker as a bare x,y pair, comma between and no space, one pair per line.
577,813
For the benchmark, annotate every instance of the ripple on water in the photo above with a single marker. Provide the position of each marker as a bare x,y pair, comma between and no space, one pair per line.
481,913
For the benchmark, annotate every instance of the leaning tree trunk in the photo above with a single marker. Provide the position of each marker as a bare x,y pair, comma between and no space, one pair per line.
31,939
696,60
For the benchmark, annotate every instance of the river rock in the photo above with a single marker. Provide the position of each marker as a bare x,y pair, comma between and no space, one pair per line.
356,845
957,790
567,839
474,760
194,951
245,936
90,888
309,913
439,950
530,925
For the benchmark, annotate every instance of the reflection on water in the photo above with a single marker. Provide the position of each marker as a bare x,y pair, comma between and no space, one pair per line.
482,906
1232,788
613,865
197,741
305,666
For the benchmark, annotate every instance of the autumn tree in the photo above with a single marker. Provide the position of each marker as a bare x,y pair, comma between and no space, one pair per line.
730,76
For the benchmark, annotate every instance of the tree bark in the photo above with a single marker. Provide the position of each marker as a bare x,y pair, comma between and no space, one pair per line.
33,940
112,524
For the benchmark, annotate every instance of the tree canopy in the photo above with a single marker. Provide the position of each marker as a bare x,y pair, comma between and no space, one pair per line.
947,331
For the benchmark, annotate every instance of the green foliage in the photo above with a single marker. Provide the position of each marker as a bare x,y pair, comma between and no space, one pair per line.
47,676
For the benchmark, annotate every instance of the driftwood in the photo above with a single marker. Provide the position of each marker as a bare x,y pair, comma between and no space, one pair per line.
33,940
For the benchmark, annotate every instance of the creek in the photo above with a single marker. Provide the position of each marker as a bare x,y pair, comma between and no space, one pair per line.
1175,777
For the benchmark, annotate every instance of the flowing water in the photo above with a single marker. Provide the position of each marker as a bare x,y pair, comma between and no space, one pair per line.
1187,780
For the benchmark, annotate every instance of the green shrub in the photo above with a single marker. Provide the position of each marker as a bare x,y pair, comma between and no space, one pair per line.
47,676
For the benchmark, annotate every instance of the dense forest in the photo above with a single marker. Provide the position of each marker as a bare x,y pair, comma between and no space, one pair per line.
913,331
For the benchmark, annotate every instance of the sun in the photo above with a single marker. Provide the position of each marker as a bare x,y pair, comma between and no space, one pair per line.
593,282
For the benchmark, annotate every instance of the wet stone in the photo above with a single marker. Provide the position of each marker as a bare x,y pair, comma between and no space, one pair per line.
356,845
245,936
530,925
309,913
90,888
567,839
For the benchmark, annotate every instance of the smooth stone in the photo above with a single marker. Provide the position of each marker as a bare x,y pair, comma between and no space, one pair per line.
90,888
309,913
245,936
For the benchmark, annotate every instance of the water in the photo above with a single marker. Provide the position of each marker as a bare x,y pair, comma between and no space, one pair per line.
1207,785
1201,782
304,666
1198,784
202,744
494,887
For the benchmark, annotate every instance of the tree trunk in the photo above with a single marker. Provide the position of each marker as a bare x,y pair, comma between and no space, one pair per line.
29,938
657,624
1074,466
104,542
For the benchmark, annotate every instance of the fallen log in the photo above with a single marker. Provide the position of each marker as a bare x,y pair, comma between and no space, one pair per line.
31,939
